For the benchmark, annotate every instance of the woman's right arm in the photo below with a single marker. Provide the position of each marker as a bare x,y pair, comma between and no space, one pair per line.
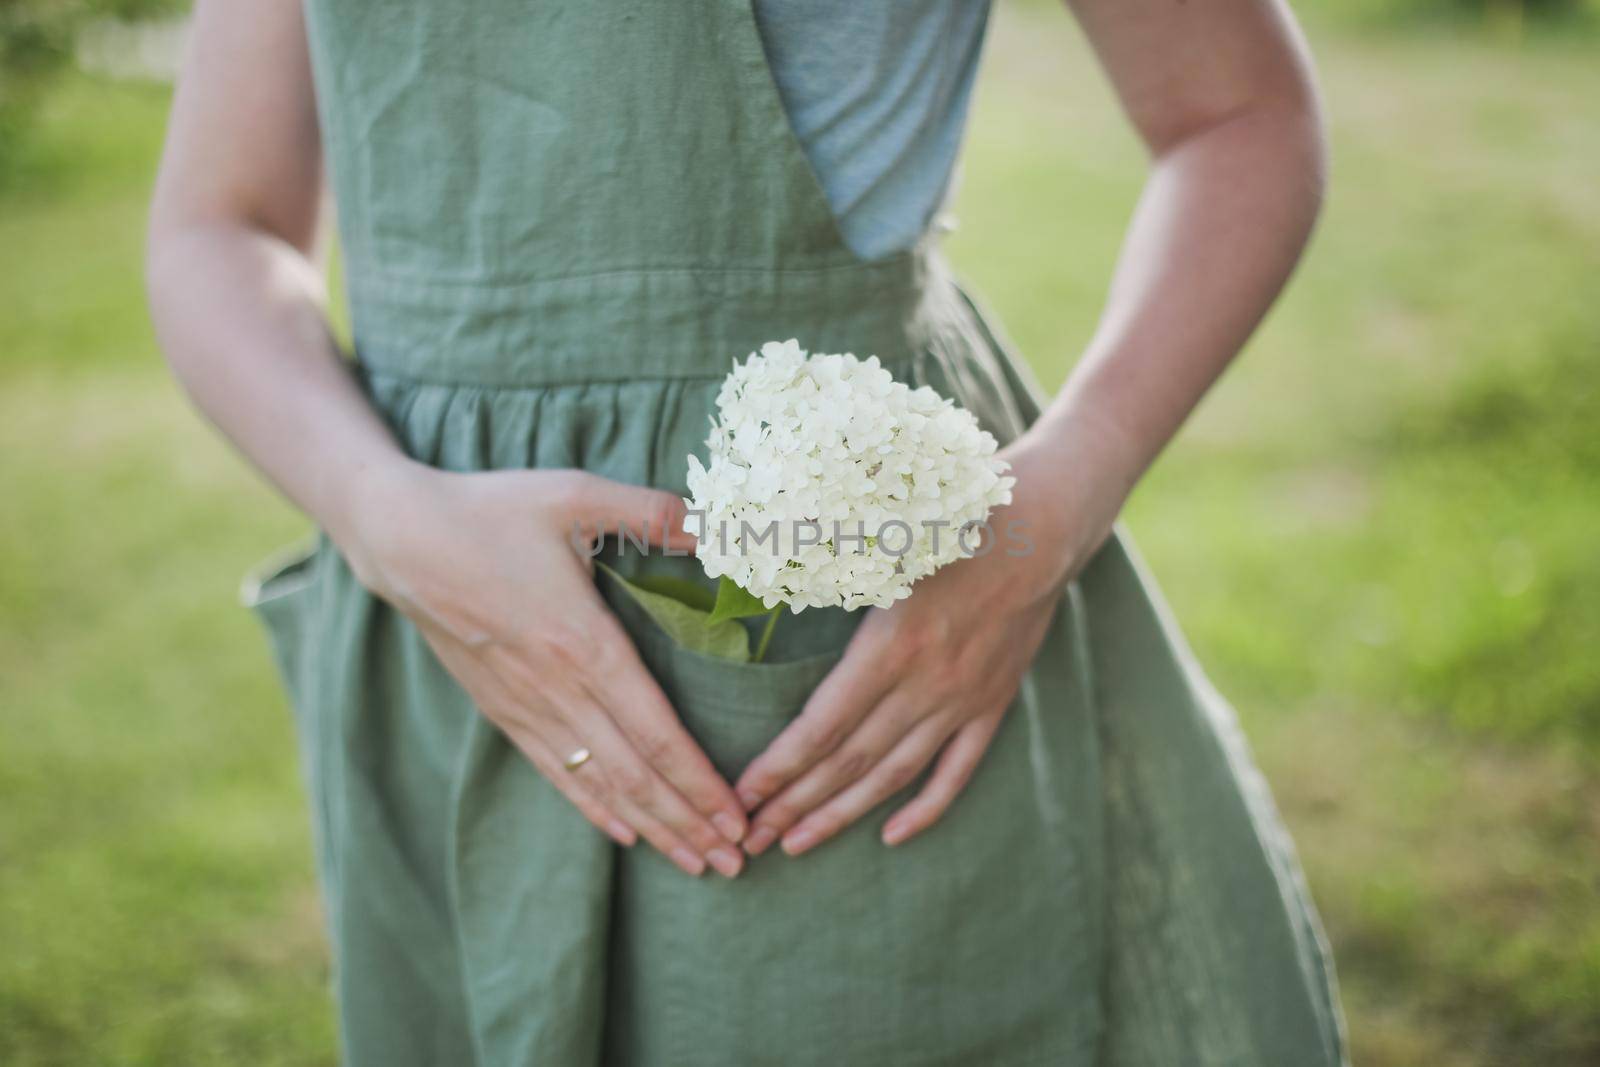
482,563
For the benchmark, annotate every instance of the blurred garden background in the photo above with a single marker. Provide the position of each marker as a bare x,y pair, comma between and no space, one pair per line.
1382,533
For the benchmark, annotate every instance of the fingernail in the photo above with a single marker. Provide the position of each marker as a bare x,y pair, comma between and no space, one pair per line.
759,839
623,833
729,826
726,861
749,798
895,832
797,841
690,862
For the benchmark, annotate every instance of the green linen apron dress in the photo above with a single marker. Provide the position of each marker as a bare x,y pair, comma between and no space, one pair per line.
562,221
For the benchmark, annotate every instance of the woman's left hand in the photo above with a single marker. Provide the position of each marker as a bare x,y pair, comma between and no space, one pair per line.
929,678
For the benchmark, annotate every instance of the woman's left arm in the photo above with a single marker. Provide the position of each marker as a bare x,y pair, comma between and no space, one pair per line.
1221,93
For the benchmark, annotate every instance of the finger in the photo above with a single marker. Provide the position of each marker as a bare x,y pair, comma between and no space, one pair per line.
877,734
644,799
950,776
641,709
656,833
653,516
547,742
893,773
653,830
603,679
487,690
591,776
549,763
663,837
627,785
850,691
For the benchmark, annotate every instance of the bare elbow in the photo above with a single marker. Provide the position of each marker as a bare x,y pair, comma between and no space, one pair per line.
199,221
1307,134
178,211
162,253
1275,143
174,251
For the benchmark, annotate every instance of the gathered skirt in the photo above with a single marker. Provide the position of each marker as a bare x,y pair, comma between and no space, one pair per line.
1113,887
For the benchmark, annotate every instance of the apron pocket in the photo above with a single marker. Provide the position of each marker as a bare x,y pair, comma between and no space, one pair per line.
280,590
731,709
973,943
285,592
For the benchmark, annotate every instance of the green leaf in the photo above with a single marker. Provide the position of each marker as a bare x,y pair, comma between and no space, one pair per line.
680,589
733,602
690,626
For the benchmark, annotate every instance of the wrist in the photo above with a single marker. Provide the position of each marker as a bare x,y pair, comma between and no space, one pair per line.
1074,479
370,501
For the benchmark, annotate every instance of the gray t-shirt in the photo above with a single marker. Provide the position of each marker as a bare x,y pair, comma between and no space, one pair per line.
877,93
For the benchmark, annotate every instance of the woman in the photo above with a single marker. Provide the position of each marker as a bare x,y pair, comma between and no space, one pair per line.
1013,824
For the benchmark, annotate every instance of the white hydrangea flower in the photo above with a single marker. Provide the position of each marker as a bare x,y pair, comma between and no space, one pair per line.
831,484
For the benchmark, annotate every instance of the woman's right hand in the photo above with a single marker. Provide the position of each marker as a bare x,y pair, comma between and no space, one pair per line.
490,569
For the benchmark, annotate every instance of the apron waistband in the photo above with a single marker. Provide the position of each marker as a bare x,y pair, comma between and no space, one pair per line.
615,326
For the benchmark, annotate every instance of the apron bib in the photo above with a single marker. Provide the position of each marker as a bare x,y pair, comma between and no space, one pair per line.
562,221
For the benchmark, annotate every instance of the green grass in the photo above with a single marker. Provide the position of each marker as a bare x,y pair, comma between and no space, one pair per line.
156,900
1379,533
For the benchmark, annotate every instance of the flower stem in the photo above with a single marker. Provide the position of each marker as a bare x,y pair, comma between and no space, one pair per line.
766,635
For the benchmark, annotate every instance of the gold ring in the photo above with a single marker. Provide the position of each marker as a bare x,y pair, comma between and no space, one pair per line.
577,759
